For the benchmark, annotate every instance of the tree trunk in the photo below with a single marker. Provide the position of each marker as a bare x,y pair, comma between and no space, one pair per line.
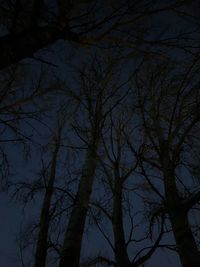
70,255
187,248
42,243
119,237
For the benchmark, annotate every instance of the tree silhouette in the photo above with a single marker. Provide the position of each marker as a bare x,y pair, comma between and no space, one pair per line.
169,108
33,25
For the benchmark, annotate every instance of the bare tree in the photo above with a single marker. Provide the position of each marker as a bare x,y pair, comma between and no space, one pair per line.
119,162
168,100
21,110
49,183
42,242
98,95
131,28
33,25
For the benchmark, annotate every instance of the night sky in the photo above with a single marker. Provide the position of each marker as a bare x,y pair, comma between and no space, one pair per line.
122,76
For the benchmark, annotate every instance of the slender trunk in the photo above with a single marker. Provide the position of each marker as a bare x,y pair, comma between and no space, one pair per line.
118,229
42,243
70,255
187,248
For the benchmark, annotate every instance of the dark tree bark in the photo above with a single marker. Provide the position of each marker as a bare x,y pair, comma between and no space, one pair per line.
121,255
42,242
187,248
178,214
70,255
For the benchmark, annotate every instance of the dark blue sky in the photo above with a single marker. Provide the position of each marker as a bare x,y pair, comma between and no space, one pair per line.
67,56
